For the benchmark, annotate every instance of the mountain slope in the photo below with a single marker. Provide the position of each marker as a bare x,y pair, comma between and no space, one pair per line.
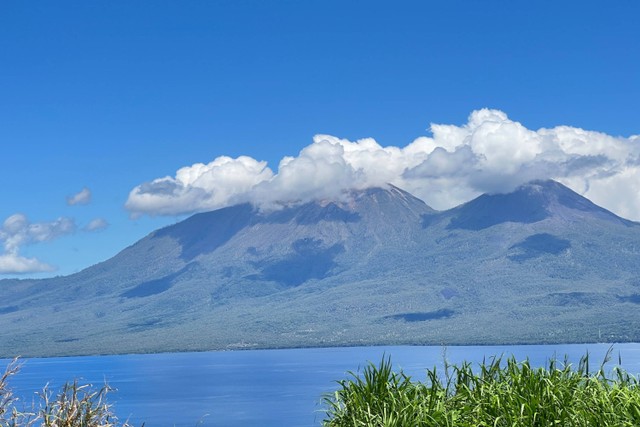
528,204
541,264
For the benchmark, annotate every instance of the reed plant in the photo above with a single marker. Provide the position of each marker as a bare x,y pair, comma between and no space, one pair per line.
496,393
75,405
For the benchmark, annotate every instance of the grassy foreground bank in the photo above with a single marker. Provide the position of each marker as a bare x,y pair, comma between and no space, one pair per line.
496,393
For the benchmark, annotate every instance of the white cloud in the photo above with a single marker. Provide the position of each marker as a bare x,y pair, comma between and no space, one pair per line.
81,198
17,231
222,182
15,264
490,153
97,224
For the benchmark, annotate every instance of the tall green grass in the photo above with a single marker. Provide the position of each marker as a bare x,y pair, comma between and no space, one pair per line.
497,393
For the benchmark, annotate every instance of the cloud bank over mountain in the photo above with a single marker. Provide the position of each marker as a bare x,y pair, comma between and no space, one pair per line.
489,154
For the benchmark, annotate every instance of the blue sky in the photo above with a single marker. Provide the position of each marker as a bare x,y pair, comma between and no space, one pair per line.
109,96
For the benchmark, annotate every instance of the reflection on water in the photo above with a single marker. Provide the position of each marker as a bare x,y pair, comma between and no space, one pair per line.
260,387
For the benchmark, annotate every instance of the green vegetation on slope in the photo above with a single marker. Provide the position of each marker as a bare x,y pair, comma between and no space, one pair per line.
544,263
496,394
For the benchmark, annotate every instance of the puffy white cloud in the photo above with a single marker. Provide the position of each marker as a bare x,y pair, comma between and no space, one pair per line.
81,198
17,231
15,264
224,181
490,153
96,224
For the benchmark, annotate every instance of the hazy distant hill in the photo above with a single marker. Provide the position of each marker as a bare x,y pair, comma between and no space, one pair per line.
539,265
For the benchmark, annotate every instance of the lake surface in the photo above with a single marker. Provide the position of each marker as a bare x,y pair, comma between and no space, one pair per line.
261,387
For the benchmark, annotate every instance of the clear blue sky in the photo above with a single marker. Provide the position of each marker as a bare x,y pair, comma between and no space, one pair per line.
110,94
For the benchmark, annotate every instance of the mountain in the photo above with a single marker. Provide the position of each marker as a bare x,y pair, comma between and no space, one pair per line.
539,265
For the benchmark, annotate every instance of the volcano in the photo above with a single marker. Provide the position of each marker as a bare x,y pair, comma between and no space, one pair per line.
541,264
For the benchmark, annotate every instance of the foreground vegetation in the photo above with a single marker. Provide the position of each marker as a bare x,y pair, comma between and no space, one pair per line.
73,406
494,394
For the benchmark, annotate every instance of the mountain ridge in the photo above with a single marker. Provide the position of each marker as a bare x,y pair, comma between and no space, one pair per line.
377,267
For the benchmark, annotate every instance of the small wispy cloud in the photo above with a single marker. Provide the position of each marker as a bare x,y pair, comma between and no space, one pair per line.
17,231
488,154
81,198
97,224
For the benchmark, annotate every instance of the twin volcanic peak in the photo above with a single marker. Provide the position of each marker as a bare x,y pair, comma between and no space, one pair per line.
541,264
530,203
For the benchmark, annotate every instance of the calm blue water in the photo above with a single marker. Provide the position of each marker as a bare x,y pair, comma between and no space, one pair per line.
259,387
